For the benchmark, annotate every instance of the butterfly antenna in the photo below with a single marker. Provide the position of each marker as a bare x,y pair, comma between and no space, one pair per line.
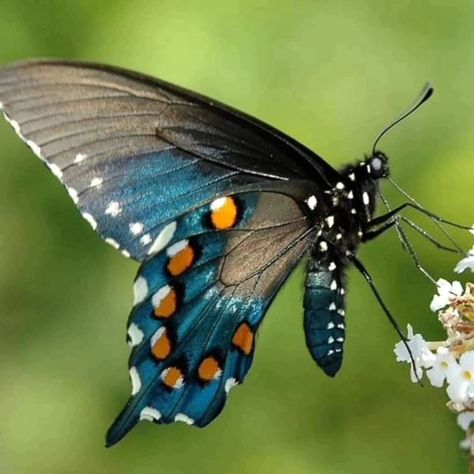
363,271
424,95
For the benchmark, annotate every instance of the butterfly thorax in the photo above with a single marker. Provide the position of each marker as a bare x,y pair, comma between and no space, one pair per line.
348,207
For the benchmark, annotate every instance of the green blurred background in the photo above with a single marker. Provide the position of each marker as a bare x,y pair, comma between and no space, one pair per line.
330,74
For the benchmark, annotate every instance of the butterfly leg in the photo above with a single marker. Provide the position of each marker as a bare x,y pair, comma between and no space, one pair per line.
406,244
389,215
372,234
429,237
368,278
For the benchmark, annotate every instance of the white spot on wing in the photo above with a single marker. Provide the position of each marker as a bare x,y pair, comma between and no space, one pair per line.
365,198
163,239
333,285
80,157
218,203
56,170
352,177
330,325
73,194
230,383
135,379
177,247
184,418
340,186
332,266
112,242
323,246
35,148
96,182
145,239
15,125
350,195
88,217
135,334
160,295
158,333
150,414
113,209
136,228
330,340
125,253
332,307
140,290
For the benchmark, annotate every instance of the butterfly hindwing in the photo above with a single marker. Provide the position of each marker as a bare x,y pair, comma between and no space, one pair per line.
199,304
135,152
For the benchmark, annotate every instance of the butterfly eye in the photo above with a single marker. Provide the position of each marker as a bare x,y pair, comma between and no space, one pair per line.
379,166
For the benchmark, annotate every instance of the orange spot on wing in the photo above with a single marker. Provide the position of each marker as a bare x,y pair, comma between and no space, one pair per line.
243,338
167,306
172,377
162,347
209,369
181,261
225,216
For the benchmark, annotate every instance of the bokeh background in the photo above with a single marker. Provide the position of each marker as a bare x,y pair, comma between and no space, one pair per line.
331,74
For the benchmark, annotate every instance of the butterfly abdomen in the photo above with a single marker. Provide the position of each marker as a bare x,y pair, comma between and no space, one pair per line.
324,319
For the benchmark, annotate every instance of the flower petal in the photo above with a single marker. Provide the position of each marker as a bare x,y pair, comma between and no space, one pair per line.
465,264
465,419
466,361
457,390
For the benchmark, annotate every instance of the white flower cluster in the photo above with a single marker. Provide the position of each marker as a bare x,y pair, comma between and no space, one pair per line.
449,362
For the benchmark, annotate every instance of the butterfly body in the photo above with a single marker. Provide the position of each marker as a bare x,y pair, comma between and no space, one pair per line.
217,207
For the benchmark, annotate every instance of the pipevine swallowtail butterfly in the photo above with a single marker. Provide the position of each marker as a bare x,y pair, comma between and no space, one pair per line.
216,206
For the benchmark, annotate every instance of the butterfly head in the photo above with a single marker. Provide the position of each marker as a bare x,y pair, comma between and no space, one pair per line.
377,165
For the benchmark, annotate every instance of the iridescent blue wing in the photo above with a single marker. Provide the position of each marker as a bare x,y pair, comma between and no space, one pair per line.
135,152
199,303
324,303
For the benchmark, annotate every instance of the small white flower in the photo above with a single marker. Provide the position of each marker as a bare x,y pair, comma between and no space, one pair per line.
444,367
446,292
423,357
465,419
461,385
466,263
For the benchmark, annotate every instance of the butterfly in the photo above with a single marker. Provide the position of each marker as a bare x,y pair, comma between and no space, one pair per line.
216,206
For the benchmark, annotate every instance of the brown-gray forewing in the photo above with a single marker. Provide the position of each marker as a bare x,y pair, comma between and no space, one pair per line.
135,153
